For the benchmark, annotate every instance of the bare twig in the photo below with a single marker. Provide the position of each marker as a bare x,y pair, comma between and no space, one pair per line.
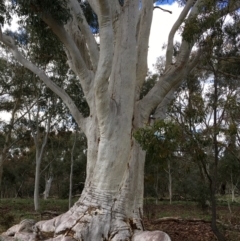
164,10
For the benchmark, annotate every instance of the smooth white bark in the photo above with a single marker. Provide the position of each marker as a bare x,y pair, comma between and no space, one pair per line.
48,183
71,172
40,147
110,206
86,32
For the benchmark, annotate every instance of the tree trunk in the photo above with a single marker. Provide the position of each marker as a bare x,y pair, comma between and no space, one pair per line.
1,171
71,172
214,178
233,188
169,181
48,183
40,147
156,184
215,229
106,210
36,184
3,157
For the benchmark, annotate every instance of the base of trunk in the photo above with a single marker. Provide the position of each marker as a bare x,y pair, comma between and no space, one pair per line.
119,236
83,223
96,216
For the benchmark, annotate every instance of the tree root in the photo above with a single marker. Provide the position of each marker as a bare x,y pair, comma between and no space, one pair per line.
83,223
23,232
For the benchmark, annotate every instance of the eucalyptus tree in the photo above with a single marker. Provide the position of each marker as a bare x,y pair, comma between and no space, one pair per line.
13,88
162,143
40,128
111,70
203,110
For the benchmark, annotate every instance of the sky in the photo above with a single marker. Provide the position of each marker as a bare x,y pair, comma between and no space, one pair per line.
161,25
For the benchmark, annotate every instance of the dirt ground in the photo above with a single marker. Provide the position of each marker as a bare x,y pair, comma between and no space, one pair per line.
184,230
183,221
189,223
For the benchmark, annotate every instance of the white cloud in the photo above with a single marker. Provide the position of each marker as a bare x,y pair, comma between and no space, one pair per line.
161,25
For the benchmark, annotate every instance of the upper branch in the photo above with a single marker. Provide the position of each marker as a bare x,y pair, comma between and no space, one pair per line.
163,9
116,10
8,41
161,109
143,33
105,61
80,67
174,74
182,16
86,31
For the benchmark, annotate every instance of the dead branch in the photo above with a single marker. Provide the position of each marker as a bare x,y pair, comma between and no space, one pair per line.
178,219
164,10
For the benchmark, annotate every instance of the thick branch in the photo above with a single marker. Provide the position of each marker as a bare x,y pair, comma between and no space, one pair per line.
86,31
186,46
162,107
182,16
143,33
105,63
45,136
174,73
49,83
161,94
80,67
116,11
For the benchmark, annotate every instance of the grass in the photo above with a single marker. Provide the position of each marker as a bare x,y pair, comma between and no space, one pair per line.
181,209
12,211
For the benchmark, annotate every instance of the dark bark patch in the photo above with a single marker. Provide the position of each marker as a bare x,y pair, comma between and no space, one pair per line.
133,225
46,235
91,210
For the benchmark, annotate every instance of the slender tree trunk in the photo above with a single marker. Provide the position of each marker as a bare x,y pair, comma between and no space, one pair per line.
215,229
1,170
71,172
39,156
36,184
169,173
156,184
48,183
169,181
233,188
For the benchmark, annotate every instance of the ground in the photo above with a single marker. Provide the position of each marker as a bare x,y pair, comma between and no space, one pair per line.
185,221
188,222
